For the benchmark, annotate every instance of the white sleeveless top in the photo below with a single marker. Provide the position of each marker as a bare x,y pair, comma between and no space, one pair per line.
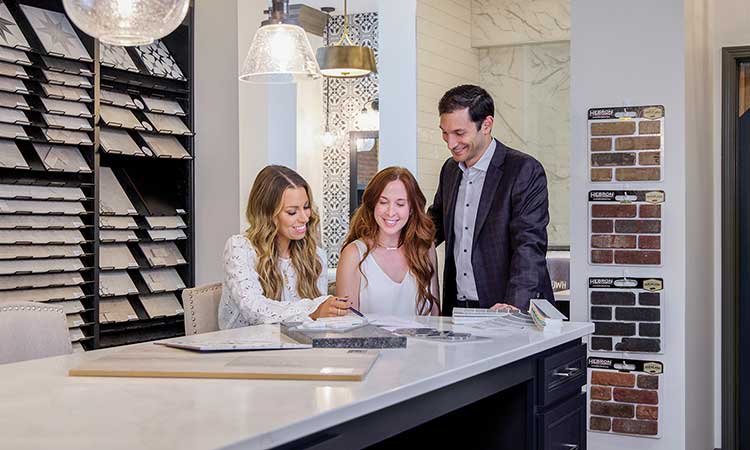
379,294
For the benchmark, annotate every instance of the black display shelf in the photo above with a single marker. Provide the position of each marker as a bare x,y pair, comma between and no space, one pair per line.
156,186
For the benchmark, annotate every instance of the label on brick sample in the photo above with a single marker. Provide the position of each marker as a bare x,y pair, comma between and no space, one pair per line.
626,143
625,227
624,396
627,314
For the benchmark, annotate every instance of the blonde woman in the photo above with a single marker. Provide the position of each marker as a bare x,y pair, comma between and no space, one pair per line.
275,272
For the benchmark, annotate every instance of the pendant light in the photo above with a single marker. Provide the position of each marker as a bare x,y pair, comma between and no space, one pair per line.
344,59
280,52
127,22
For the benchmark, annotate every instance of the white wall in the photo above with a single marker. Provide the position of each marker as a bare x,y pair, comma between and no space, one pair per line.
397,84
622,55
217,139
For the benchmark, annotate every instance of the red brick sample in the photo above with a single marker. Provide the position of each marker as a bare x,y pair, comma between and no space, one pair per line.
629,141
625,227
624,396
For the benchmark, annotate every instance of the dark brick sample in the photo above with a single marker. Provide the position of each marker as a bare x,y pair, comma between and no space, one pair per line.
649,242
650,211
601,393
612,378
612,409
648,382
601,343
649,298
647,412
614,329
638,344
612,241
642,427
602,226
613,211
600,423
601,313
602,256
638,314
612,298
638,226
612,159
641,257
649,329
636,396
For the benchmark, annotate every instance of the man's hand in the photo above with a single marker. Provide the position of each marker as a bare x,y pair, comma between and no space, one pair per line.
503,307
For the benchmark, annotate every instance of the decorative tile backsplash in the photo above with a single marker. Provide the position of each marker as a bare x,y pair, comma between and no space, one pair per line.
347,98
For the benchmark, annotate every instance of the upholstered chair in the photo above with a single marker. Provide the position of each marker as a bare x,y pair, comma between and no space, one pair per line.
32,330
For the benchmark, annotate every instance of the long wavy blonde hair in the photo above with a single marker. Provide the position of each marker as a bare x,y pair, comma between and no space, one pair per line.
416,237
263,207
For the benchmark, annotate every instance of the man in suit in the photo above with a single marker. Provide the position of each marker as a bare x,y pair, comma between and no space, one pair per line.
490,209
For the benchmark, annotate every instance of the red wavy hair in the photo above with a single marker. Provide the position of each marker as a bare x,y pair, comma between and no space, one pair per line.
417,236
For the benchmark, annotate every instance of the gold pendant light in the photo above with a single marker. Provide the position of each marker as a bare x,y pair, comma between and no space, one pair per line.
344,59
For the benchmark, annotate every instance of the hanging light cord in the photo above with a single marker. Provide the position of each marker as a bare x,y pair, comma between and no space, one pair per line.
345,36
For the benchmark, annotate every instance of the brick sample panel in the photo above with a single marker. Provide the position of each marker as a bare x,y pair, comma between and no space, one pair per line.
626,143
624,396
625,227
627,314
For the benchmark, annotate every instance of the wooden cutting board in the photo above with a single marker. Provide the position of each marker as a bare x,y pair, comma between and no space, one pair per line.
157,361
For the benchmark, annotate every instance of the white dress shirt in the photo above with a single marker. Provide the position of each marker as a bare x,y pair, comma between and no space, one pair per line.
467,205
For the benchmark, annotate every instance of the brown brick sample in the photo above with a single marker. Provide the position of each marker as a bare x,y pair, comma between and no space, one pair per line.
638,174
643,427
612,159
649,242
638,226
601,174
612,128
613,241
638,143
649,211
649,127
602,256
601,393
602,226
600,423
648,382
647,412
638,258
636,396
613,378
601,144
614,211
612,409
649,158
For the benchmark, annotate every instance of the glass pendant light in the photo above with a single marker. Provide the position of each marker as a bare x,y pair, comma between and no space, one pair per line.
344,59
127,22
280,51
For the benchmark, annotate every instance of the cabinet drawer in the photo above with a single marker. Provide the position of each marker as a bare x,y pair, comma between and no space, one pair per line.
564,426
561,374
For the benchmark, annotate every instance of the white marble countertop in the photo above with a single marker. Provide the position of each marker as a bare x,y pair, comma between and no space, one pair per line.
42,407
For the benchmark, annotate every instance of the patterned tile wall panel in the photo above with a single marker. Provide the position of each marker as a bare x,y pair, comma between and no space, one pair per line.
347,98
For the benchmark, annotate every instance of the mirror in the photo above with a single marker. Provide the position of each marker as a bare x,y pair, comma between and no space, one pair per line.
363,164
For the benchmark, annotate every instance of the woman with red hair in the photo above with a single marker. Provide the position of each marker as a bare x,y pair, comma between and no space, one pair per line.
388,264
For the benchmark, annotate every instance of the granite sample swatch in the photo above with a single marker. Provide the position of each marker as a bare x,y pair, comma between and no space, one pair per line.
166,235
167,124
162,254
119,141
66,108
67,122
118,236
13,85
625,227
10,34
114,200
10,156
116,57
116,283
627,314
116,256
624,396
67,66
61,158
49,294
165,146
14,56
41,207
15,101
55,33
14,221
116,309
117,223
161,305
24,266
159,61
13,117
120,118
34,192
40,251
42,280
115,98
60,237
66,93
164,222
626,143
13,70
162,280
163,106
58,136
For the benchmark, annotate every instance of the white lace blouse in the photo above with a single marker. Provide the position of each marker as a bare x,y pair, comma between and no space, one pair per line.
242,301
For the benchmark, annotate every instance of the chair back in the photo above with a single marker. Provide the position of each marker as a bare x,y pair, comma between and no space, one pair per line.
201,306
31,330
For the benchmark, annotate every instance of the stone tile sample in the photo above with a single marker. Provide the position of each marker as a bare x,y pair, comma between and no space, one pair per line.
625,227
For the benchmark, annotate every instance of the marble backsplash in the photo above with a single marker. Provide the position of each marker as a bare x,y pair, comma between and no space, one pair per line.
511,22
530,85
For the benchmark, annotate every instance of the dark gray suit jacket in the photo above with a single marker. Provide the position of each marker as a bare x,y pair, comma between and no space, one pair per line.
510,236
